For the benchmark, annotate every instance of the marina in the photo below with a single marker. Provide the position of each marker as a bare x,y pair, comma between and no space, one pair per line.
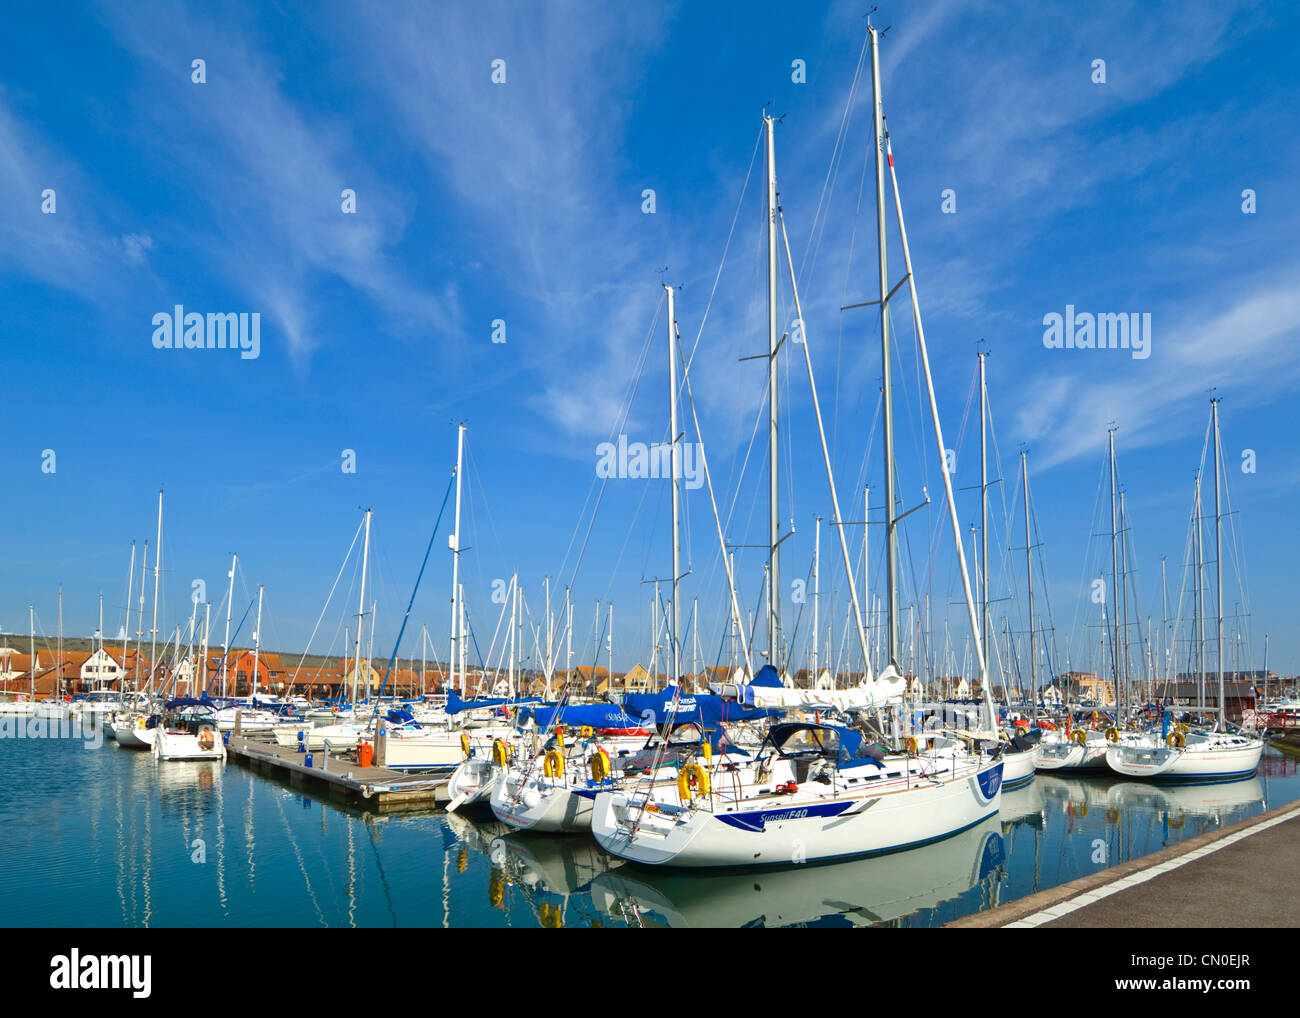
656,487
258,848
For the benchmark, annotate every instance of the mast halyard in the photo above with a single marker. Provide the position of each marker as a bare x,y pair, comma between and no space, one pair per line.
1116,668
886,364
1029,573
1218,557
984,511
361,610
454,542
674,635
774,523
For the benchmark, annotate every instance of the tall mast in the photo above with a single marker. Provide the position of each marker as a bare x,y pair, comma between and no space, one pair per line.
1164,619
126,629
1122,695
230,603
1029,572
568,643
139,623
866,562
361,609
257,647
207,629
454,541
1218,556
1199,600
774,524
550,631
370,646
31,639
817,586
153,630
674,635
1114,571
984,512
514,623
59,677
189,650
463,647
611,647
891,538
101,620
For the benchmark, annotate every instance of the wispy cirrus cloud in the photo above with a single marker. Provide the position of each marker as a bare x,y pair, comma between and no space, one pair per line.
270,173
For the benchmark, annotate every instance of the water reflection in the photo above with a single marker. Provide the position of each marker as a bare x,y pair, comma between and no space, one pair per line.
133,843
866,892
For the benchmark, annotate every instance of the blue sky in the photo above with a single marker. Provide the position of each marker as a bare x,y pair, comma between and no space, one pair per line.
523,201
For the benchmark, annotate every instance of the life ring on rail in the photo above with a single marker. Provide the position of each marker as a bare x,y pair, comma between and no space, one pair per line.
500,753
692,782
910,745
1095,719
464,743
1112,735
1080,736
1175,740
207,740
599,764
553,765
586,732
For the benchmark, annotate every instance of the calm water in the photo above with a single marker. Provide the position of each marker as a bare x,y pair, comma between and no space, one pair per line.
108,837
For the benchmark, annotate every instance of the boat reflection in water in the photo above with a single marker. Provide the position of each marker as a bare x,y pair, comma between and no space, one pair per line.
1225,802
881,890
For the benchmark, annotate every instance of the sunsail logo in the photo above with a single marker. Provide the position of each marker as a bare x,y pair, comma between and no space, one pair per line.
102,972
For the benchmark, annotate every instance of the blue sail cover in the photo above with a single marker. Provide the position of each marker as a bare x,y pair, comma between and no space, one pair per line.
670,707
189,701
455,704
767,676
595,715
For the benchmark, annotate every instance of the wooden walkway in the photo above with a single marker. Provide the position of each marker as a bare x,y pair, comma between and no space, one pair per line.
377,788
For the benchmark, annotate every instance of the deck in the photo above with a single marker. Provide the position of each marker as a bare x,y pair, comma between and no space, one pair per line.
379,788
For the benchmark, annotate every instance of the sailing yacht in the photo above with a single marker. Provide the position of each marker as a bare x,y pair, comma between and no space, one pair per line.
1185,754
820,791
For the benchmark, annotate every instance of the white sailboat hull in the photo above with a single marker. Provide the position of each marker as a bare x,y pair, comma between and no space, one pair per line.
1017,769
473,781
186,746
1060,755
794,831
131,734
1214,763
543,804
